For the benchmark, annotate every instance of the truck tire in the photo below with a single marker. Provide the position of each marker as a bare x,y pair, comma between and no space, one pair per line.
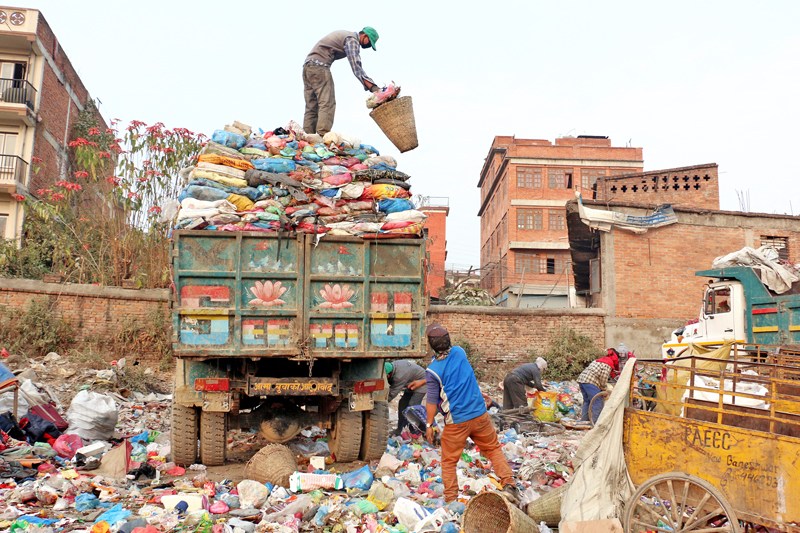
344,438
213,438
376,432
183,434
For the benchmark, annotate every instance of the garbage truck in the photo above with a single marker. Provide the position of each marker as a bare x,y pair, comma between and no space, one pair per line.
279,332
738,306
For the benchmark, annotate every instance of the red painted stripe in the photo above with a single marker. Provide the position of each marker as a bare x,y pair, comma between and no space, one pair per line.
765,311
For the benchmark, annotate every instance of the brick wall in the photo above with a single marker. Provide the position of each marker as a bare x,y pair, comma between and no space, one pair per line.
95,313
651,275
695,186
499,336
506,336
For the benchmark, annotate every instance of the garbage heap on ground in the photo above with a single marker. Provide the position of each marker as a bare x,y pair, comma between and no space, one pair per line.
287,180
109,469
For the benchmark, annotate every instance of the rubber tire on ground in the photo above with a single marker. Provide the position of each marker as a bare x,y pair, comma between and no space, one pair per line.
213,438
376,432
183,434
678,477
345,436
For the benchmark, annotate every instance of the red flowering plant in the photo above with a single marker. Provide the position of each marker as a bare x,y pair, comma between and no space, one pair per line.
106,216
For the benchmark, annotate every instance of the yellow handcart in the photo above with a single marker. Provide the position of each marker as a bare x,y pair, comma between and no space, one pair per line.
720,451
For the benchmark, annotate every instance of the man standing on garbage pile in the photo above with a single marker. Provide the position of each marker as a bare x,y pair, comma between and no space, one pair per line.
527,375
409,378
318,88
454,391
594,379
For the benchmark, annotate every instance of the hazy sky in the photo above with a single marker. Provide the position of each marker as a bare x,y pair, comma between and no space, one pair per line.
688,81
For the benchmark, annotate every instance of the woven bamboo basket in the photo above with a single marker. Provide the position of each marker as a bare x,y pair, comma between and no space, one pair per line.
489,512
396,120
547,509
273,463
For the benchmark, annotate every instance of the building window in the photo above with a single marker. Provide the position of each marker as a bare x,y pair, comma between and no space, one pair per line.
557,220
779,244
529,219
559,178
3,223
589,176
529,178
526,264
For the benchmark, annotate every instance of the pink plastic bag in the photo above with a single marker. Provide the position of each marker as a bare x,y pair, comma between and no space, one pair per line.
66,445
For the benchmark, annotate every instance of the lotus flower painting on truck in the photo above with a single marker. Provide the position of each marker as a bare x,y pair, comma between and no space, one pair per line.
336,296
267,294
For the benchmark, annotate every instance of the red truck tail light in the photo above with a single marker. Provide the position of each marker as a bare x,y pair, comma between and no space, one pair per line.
212,384
370,385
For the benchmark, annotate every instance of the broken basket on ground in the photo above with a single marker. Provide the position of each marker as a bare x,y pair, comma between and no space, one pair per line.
489,512
547,509
273,463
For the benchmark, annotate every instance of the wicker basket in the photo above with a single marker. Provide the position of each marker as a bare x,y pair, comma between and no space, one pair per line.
273,463
396,120
547,509
489,512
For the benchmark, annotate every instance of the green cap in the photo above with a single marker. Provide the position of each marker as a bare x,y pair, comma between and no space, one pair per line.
388,367
370,32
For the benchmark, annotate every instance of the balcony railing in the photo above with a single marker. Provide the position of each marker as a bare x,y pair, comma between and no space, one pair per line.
17,92
13,170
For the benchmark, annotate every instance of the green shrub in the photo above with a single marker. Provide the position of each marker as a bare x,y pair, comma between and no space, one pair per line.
35,331
568,354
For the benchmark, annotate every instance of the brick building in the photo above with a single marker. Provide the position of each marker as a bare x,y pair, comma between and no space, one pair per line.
437,209
645,282
525,185
41,97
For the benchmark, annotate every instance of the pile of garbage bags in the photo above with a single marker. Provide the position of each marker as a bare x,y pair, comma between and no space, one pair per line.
287,180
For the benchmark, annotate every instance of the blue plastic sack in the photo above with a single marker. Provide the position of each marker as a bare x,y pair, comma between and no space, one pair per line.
358,479
394,205
370,149
86,501
273,164
141,437
405,453
113,515
226,138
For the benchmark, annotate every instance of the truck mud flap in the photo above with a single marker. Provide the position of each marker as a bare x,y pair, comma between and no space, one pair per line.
292,386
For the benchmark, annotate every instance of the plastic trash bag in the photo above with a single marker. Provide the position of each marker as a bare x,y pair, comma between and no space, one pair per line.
66,445
92,416
387,94
394,205
358,479
252,494
272,164
113,515
409,513
229,139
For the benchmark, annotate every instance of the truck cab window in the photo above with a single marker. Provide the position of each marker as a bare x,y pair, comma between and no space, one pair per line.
718,301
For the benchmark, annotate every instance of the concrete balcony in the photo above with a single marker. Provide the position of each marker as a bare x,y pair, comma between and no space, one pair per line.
13,173
17,101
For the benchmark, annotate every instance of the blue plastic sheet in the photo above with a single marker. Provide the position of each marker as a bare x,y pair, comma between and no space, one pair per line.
113,515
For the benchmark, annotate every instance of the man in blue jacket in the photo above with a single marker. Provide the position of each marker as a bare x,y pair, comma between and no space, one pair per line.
454,391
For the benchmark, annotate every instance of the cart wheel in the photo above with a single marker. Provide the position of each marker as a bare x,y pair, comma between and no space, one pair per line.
592,404
677,502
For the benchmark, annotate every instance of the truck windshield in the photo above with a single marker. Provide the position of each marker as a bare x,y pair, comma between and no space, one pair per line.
718,300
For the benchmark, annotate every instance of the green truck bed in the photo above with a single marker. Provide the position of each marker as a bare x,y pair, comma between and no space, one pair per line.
245,294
